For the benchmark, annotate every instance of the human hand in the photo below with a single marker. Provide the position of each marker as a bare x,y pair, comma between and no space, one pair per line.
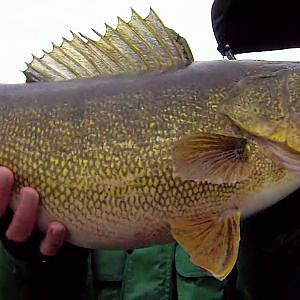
16,229
50,268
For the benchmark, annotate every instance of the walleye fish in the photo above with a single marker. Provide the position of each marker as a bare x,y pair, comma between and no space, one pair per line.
135,144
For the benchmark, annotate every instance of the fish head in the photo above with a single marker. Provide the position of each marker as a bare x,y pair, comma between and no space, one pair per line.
261,160
259,105
267,108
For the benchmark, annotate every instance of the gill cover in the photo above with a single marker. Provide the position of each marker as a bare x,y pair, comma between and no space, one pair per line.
259,105
268,106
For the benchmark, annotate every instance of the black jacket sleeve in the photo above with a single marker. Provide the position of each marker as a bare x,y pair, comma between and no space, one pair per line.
256,25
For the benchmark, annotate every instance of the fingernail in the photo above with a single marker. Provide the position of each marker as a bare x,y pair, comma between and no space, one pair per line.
3,179
58,232
28,197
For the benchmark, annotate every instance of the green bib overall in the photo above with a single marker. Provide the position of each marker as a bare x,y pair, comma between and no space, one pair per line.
159,272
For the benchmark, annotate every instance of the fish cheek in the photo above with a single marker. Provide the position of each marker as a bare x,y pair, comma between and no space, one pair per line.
259,105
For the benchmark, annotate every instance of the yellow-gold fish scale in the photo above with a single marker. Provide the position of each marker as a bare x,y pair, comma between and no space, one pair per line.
109,161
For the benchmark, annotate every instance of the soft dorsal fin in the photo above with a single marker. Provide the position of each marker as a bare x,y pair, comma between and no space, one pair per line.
137,46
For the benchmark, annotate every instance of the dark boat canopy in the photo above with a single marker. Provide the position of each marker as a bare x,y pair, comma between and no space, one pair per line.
256,25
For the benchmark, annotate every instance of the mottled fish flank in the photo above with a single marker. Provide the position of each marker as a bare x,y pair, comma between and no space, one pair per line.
154,147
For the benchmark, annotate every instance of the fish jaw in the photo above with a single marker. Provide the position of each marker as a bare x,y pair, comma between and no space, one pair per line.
268,196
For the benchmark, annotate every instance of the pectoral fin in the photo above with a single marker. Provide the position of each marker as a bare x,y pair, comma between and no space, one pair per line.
212,157
212,243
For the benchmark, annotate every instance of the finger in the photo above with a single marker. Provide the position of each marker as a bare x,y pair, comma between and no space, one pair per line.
25,215
55,237
6,182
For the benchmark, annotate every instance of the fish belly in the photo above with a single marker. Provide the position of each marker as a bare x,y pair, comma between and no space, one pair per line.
267,197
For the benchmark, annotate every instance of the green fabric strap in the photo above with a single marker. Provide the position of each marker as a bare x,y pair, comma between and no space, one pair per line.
108,268
145,273
148,273
159,272
195,283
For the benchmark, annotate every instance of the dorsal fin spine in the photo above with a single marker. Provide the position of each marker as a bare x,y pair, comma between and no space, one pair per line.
105,53
82,49
124,55
46,66
35,68
133,47
168,32
104,41
76,62
96,53
159,40
49,67
87,48
60,61
97,33
141,39
149,45
149,28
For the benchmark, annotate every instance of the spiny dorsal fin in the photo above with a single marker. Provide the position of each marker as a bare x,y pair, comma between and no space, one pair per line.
134,47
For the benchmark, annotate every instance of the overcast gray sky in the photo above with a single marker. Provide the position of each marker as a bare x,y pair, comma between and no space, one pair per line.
29,26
